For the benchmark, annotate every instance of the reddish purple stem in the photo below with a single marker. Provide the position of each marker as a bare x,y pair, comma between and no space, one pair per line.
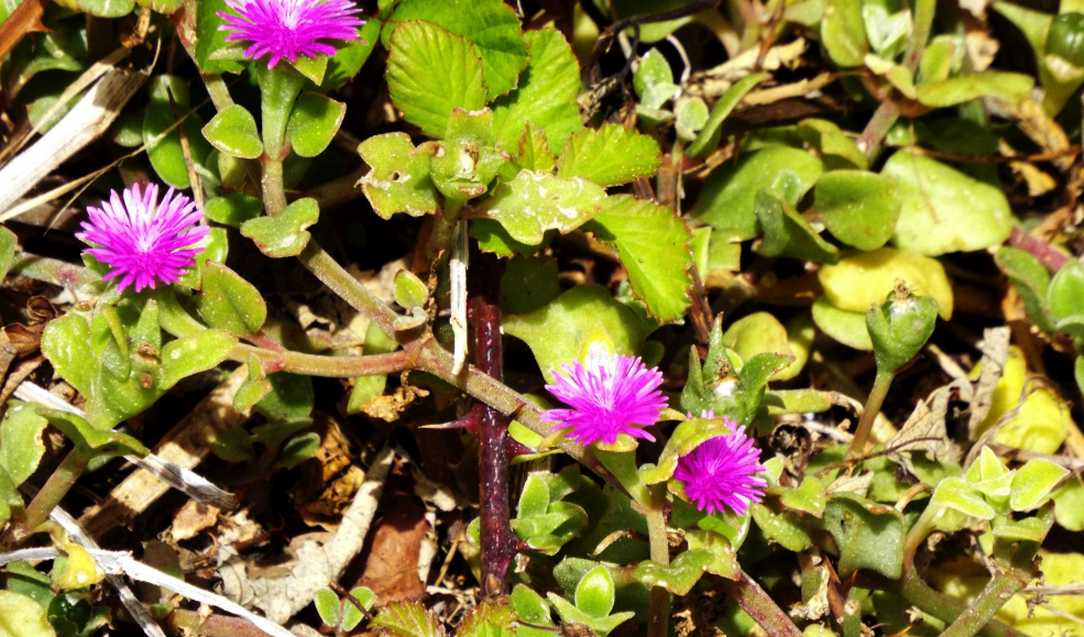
498,543
1041,250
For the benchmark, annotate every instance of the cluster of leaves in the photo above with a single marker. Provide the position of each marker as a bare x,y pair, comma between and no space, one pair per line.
496,138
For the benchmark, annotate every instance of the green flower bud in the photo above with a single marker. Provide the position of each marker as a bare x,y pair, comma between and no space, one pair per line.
900,327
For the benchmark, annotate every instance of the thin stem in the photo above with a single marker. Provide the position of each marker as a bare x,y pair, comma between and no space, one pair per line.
327,366
759,605
659,602
335,277
53,491
919,594
873,135
979,612
434,359
218,90
274,193
876,398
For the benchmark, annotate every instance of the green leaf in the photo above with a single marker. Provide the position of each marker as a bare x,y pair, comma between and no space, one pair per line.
285,234
968,214
529,606
407,619
492,237
609,156
432,71
351,56
490,25
230,303
843,32
535,202
1031,279
1011,87
652,70
233,131
761,332
783,528
8,243
21,616
491,618
546,97
467,161
351,615
211,38
233,209
869,535
1032,529
410,291
653,243
164,149
687,436
808,497
1069,505
724,559
99,439
595,592
311,68
398,179
866,278
837,147
712,132
194,354
899,328
680,575
566,328
21,444
107,8
787,233
1065,298
956,494
1033,484
313,123
727,199
327,606
528,283
690,116
599,625
291,398
66,344
859,208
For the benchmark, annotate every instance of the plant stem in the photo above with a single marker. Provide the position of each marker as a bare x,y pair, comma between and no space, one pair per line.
874,133
328,366
335,277
876,398
434,359
759,605
979,612
498,544
1041,250
217,89
658,618
919,594
274,193
53,491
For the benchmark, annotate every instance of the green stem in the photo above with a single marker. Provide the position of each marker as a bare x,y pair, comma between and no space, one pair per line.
979,612
919,594
327,366
869,413
53,491
279,89
274,191
658,618
218,90
335,277
920,34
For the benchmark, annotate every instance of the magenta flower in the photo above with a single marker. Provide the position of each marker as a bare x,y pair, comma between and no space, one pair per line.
289,28
722,472
609,395
143,241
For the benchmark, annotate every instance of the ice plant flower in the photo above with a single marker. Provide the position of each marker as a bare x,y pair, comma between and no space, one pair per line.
608,394
289,28
144,241
723,472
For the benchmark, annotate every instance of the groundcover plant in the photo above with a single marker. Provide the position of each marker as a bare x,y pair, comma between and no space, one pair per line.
541,317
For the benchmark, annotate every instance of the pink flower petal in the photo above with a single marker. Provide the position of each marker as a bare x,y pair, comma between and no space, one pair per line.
609,395
723,473
143,241
289,28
